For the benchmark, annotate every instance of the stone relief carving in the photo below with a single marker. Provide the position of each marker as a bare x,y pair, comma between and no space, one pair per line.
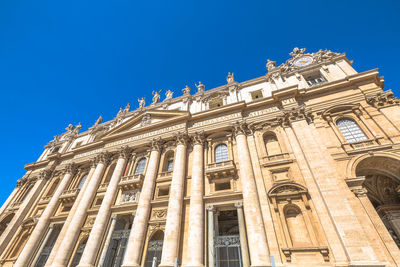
130,196
160,214
146,120
383,99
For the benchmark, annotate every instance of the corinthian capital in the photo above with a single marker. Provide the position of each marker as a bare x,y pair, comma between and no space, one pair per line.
240,127
383,99
295,114
198,138
45,174
70,168
181,138
156,144
103,157
124,152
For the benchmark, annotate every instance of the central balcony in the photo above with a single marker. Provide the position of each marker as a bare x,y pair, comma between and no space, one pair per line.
222,169
131,181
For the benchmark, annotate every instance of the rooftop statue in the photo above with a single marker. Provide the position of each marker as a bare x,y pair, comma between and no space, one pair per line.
142,103
156,96
200,87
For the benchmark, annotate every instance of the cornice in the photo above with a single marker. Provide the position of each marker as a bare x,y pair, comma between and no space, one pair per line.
217,111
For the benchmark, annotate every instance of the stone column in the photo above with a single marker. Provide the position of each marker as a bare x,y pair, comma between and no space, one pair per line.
96,234
258,246
72,234
26,205
71,214
108,239
243,236
210,234
44,220
196,216
137,235
175,203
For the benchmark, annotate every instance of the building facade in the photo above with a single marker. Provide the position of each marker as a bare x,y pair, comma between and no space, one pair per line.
299,167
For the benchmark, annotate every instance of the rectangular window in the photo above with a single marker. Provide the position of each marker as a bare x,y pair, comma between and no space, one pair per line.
219,186
314,79
216,103
170,165
256,95
163,191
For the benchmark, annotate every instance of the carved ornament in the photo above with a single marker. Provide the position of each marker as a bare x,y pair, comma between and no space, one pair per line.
383,99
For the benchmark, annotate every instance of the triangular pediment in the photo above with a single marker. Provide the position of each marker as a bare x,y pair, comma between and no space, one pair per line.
147,120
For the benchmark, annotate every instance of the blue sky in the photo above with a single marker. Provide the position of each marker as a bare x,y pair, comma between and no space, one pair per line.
67,62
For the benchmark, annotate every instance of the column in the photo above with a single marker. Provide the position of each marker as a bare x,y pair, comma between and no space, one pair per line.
210,234
72,234
51,228
108,239
71,214
44,220
175,203
96,234
242,233
137,235
196,216
26,205
258,246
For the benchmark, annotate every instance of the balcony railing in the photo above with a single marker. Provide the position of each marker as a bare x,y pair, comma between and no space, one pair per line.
363,145
275,159
227,241
221,169
165,174
45,199
103,187
69,195
131,181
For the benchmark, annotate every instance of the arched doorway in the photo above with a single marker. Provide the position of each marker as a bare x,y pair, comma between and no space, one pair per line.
154,248
382,181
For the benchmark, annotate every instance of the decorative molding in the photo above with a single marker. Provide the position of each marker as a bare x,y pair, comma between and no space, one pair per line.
156,144
295,114
45,174
124,152
383,99
71,168
198,138
181,138
240,127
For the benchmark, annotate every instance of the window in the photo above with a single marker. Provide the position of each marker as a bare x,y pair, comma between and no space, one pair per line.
272,145
350,130
55,150
140,166
170,165
221,153
82,181
163,191
222,186
256,94
216,103
315,79
297,228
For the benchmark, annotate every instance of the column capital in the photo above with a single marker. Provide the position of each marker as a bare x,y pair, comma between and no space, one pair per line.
45,174
124,152
197,138
295,114
103,157
70,168
383,99
114,216
181,138
210,207
156,144
92,162
240,127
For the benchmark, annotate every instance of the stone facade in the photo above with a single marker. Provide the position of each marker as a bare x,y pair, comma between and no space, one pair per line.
299,167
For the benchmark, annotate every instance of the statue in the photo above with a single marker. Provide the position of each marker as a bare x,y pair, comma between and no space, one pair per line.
200,87
142,103
186,90
168,95
270,65
126,110
156,96
77,128
70,128
98,121
230,78
120,112
297,51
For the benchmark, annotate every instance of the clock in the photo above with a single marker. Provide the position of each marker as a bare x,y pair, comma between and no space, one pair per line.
303,61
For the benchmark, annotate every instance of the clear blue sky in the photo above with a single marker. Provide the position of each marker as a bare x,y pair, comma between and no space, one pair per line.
66,62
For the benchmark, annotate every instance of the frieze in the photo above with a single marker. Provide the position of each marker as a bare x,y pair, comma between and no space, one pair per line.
218,119
145,135
262,112
88,153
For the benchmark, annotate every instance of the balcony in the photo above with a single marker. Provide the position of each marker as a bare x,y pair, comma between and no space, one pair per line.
222,169
69,195
45,199
276,159
164,176
131,181
365,145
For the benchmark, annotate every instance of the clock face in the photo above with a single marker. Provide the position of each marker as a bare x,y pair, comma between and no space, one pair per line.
303,61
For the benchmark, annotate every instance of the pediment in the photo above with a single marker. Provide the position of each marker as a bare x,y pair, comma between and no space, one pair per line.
147,120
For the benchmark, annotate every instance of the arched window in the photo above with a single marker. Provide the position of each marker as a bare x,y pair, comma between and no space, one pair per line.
53,187
221,153
272,145
350,130
297,228
82,181
140,166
